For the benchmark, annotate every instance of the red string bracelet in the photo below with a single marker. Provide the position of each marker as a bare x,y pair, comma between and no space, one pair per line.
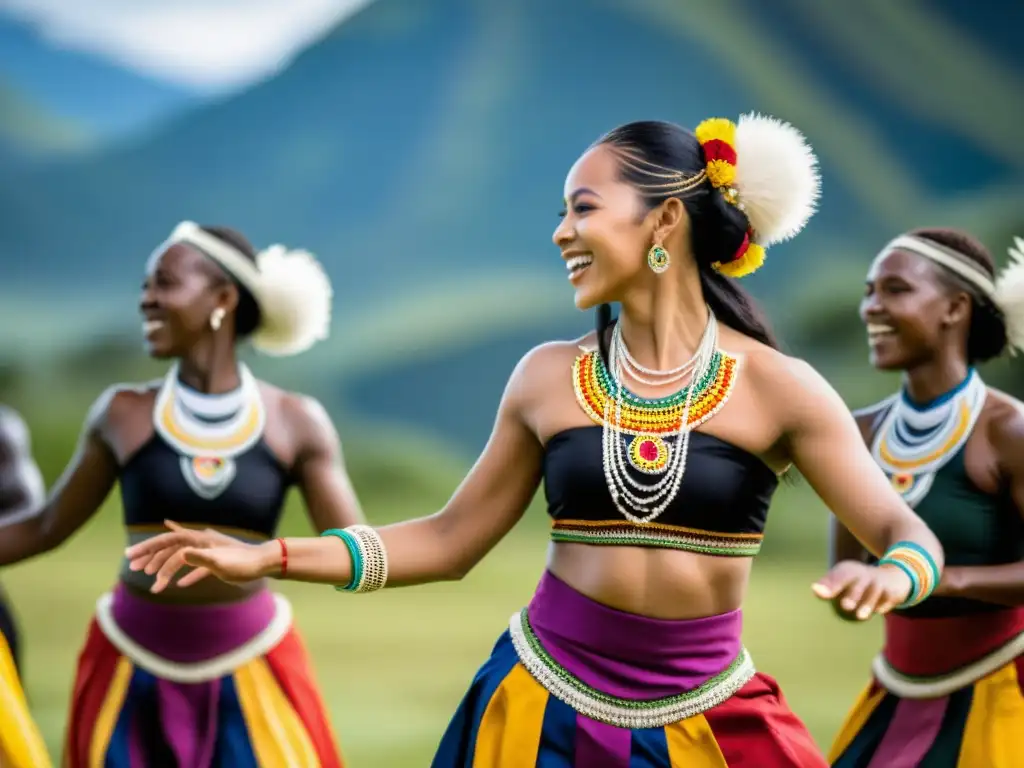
284,558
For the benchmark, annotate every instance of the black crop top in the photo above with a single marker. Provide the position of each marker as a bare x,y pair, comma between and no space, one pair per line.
720,509
158,483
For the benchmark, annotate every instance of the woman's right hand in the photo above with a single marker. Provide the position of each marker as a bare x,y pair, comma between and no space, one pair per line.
858,590
165,554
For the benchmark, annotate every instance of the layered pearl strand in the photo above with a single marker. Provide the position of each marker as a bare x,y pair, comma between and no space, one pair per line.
639,502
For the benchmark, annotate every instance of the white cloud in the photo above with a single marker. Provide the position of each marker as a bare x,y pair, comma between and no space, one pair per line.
207,45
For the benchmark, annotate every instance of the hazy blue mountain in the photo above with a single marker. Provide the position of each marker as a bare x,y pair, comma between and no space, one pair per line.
29,133
420,143
418,138
86,89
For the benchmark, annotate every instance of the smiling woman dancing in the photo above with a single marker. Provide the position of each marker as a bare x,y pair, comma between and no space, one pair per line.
948,687
207,674
660,440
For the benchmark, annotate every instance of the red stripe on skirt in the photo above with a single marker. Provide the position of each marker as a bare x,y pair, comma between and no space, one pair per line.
757,729
96,666
925,647
289,662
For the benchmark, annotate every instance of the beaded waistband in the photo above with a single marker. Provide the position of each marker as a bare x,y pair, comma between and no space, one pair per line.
936,686
626,533
189,643
615,710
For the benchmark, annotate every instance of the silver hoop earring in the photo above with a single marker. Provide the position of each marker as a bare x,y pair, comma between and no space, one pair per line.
216,318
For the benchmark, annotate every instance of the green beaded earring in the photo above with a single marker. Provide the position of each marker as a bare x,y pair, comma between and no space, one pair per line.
657,259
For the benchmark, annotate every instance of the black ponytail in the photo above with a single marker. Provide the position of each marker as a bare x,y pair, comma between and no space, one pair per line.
604,322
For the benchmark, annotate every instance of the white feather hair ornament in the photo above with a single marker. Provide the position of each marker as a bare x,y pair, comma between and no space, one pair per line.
294,297
1009,296
778,183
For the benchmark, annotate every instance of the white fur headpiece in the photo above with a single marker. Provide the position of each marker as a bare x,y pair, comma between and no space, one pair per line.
1009,295
290,287
777,177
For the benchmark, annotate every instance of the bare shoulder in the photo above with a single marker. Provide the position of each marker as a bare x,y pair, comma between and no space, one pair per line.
299,411
119,403
784,385
772,373
1005,420
547,365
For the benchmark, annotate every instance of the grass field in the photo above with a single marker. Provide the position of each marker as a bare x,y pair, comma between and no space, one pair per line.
394,665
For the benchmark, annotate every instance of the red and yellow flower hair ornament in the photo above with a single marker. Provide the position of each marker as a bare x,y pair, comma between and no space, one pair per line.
766,169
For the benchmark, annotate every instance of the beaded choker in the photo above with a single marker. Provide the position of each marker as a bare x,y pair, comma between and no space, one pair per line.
651,435
207,430
914,442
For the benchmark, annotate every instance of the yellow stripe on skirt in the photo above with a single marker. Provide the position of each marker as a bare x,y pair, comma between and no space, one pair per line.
21,744
979,726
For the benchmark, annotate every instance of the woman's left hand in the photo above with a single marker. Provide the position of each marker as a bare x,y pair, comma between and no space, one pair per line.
861,590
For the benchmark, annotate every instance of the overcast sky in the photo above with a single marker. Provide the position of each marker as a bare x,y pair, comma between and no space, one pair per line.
206,45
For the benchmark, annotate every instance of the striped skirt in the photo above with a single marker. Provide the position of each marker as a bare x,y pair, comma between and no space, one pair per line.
198,686
575,684
21,745
946,693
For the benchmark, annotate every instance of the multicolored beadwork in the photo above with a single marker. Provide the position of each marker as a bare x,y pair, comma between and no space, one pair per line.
661,416
648,454
914,442
915,561
614,710
651,420
209,431
660,535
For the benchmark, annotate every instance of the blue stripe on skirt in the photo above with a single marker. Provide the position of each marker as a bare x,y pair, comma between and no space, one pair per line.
139,709
557,744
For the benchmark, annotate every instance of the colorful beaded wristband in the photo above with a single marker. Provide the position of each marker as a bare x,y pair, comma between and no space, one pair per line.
369,560
920,567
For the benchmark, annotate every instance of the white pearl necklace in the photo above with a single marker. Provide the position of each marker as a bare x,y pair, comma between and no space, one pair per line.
654,499
639,373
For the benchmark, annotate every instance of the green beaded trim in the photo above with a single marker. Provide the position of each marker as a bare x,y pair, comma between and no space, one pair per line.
674,400
709,545
613,710
357,557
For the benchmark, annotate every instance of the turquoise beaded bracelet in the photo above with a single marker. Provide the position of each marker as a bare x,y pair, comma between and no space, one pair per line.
357,557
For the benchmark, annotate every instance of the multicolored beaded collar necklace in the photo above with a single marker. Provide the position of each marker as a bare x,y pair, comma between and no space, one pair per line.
650,434
209,430
915,441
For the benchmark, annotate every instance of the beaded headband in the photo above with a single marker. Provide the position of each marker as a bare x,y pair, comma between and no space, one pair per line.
1006,292
290,287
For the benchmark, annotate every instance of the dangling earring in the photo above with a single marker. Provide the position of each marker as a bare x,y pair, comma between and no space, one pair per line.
217,317
657,259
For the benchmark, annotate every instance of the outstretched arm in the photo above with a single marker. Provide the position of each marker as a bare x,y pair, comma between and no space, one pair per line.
443,546
827,447
999,584
75,498
842,544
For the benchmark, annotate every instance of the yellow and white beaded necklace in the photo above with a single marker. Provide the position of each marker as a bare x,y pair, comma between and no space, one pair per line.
208,431
914,442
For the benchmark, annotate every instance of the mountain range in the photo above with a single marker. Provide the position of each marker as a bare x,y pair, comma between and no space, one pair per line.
420,148
99,97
